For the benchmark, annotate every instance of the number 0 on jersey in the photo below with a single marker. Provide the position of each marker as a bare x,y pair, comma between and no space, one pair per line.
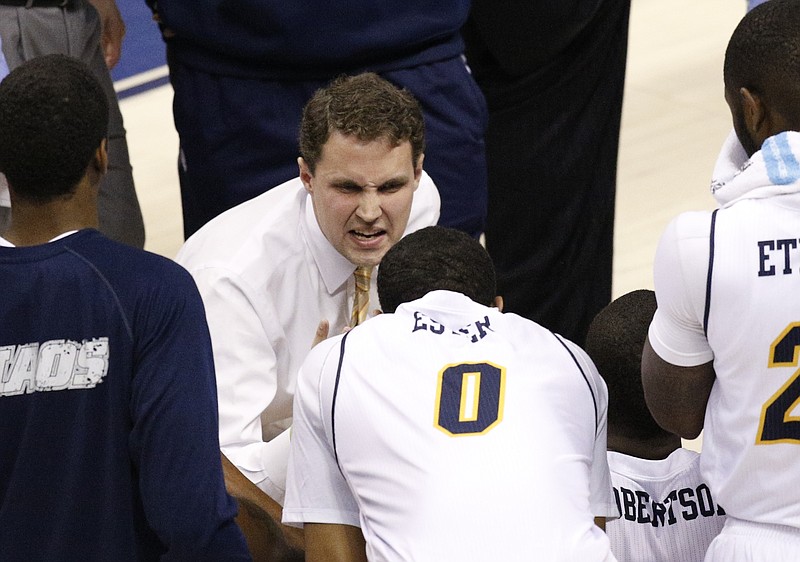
469,398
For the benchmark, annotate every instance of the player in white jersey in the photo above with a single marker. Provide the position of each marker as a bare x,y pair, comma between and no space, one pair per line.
667,510
448,430
722,352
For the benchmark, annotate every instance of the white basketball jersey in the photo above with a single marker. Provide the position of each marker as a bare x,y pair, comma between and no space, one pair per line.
752,425
463,433
668,513
741,265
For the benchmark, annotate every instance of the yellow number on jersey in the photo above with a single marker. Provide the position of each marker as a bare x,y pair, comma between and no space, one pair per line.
469,398
777,425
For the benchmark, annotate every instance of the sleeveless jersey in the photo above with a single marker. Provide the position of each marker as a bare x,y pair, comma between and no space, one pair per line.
667,511
735,274
451,431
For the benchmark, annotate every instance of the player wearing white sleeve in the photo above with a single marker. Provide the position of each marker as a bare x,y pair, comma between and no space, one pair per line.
448,430
667,511
722,352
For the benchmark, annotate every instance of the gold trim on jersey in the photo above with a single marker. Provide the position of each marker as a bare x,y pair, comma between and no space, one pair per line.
790,387
480,386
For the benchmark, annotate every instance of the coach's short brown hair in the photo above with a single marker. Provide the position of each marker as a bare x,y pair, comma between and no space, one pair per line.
365,106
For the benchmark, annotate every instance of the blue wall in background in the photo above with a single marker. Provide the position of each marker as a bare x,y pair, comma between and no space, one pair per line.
142,48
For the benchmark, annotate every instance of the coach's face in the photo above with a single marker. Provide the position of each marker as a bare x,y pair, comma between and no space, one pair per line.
362,193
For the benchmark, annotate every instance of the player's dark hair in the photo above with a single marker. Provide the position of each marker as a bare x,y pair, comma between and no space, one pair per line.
614,342
364,106
53,117
763,55
435,258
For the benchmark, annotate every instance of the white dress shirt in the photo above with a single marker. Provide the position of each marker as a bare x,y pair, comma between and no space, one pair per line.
268,276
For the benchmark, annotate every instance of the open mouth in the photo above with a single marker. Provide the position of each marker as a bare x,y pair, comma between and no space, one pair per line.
367,235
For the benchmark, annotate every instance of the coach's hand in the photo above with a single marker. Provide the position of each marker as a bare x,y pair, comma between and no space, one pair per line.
112,30
322,332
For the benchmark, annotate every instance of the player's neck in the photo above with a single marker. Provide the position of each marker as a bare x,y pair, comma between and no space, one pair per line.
656,448
34,223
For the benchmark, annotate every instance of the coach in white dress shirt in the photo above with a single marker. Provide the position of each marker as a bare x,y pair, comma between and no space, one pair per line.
271,269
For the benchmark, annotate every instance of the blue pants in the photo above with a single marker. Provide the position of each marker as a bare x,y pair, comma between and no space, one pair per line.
239,138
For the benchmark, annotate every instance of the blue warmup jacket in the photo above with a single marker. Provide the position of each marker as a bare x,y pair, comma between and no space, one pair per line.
108,409
310,39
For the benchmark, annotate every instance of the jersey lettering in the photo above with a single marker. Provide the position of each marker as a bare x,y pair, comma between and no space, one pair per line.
469,398
770,253
638,506
475,330
52,365
777,424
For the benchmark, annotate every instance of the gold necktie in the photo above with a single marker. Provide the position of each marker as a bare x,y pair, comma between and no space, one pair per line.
361,299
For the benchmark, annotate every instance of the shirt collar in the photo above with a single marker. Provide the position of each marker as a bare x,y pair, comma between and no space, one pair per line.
334,268
6,244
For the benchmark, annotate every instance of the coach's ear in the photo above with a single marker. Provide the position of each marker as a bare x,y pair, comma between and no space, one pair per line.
306,176
498,303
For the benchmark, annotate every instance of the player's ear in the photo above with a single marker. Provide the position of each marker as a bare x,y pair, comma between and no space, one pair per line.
498,303
757,118
100,159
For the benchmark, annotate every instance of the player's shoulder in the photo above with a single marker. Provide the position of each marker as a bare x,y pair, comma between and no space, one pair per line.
689,225
321,363
131,274
324,352
114,259
538,339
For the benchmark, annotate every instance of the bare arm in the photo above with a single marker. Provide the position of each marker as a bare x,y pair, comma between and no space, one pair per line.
676,396
112,30
259,517
334,543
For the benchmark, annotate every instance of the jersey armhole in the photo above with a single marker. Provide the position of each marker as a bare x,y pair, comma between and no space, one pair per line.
707,309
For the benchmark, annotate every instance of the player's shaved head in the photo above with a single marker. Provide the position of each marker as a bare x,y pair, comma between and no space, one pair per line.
614,342
53,117
763,53
435,258
763,56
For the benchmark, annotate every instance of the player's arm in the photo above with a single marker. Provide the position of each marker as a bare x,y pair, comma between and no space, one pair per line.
259,517
327,542
173,442
676,396
677,368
